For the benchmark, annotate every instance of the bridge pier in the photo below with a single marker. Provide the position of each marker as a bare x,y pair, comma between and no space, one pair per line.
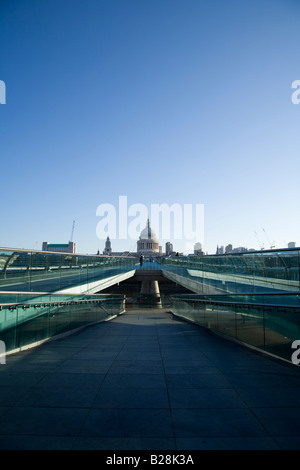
150,291
150,287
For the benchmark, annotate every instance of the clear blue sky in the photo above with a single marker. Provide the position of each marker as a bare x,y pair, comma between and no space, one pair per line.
162,101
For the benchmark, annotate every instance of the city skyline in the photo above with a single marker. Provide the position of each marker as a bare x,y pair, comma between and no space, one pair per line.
164,102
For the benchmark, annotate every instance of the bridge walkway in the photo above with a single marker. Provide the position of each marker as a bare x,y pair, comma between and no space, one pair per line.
147,381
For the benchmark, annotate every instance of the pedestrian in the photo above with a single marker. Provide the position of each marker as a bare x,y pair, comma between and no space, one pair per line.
141,260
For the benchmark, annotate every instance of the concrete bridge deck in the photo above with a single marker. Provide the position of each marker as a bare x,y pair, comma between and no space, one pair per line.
147,381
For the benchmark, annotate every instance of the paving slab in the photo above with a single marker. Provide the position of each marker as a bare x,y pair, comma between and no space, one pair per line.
147,380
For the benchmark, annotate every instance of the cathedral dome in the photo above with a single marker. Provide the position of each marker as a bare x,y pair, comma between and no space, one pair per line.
148,233
148,242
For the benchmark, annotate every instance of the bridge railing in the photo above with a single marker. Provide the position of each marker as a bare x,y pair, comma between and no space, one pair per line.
28,319
270,322
22,270
259,271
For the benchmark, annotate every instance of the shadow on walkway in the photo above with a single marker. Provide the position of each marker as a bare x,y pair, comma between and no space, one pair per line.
147,381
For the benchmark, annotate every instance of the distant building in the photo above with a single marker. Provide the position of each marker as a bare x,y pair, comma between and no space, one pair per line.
169,248
291,245
229,249
198,249
107,249
60,247
239,249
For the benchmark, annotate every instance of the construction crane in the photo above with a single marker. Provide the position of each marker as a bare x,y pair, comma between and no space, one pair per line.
271,246
72,232
261,246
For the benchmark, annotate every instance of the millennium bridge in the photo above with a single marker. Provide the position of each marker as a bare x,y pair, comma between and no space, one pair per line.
181,353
